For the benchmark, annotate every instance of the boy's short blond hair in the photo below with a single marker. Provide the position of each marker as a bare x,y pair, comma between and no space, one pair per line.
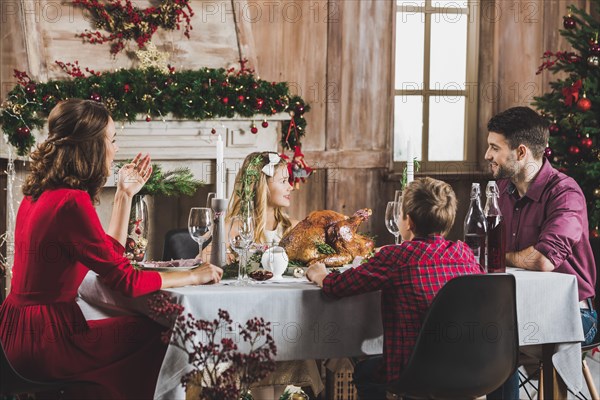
431,205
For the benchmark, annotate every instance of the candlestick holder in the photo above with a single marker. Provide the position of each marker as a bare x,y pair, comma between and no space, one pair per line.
218,253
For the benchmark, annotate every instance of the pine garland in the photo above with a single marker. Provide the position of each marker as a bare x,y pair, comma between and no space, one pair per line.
130,93
574,127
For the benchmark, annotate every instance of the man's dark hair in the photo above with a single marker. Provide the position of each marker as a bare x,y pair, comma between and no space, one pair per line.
522,125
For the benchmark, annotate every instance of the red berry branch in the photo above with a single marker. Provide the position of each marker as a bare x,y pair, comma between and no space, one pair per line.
125,22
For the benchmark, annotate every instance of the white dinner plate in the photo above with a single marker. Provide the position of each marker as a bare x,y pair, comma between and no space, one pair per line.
163,266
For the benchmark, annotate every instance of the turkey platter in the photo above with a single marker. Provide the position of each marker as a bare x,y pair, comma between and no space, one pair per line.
328,237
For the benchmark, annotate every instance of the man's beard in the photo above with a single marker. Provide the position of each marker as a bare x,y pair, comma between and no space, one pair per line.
506,171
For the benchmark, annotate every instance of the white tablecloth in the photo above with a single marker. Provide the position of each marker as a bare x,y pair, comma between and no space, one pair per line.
308,325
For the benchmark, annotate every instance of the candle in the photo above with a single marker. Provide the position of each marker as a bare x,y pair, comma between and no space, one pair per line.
410,166
220,181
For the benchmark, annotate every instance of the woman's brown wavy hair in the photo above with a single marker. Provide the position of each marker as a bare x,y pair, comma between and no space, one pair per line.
74,155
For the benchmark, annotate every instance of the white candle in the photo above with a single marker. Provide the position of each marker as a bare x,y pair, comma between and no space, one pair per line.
220,169
410,166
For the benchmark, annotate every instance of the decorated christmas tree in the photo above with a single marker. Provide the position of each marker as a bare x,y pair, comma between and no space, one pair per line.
573,106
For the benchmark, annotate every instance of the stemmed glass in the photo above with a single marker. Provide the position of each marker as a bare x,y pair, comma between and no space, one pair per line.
391,219
241,235
200,223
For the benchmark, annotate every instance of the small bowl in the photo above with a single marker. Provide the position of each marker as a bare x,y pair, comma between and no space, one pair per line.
260,275
275,259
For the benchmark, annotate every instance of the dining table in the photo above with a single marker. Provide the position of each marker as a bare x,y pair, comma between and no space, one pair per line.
307,324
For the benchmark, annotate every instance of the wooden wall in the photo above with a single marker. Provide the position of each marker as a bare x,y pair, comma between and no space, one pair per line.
337,55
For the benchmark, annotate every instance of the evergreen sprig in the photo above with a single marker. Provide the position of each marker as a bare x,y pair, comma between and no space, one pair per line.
179,181
249,179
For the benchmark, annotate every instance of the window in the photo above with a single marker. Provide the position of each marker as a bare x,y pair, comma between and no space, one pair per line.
435,89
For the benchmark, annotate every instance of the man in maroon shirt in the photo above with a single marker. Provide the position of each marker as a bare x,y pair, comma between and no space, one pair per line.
409,276
545,210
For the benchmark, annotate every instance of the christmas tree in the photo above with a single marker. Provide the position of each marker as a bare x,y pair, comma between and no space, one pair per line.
573,107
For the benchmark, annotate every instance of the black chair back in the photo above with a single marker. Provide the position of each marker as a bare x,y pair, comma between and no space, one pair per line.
468,344
11,382
180,245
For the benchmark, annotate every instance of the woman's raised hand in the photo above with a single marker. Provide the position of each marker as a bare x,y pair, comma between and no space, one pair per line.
134,175
207,273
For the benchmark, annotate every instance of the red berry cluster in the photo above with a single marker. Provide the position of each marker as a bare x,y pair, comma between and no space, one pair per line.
73,69
209,345
564,57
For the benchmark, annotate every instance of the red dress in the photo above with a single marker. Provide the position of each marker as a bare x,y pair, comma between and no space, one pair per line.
58,239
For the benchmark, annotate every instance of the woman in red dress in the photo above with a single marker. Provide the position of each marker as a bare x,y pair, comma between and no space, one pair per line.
58,238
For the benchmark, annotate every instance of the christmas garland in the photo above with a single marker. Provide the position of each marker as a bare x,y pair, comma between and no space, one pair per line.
126,22
191,95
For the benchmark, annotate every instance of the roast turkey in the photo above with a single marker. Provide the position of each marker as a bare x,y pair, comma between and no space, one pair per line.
329,237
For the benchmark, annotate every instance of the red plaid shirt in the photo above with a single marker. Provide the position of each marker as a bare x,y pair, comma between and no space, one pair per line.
409,276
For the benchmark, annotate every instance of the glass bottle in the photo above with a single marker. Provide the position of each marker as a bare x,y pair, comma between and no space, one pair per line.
496,239
475,226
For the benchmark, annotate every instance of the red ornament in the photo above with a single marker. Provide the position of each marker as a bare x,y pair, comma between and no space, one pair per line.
225,100
574,150
300,109
586,143
138,231
213,131
23,132
554,129
595,48
148,119
255,85
241,98
584,104
127,88
259,103
95,97
130,243
265,124
31,89
548,152
595,233
254,129
569,22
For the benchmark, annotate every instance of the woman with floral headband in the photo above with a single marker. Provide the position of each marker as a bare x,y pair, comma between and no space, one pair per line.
264,179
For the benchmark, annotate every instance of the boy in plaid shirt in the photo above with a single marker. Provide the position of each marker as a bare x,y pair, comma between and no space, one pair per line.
409,275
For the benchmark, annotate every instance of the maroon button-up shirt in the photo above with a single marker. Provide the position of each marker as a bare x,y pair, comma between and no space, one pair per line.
551,217
409,276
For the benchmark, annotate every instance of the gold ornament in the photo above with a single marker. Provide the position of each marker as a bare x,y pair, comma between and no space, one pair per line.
593,61
597,193
152,58
147,98
111,104
17,108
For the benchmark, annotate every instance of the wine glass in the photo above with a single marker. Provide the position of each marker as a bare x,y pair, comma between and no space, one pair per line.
398,200
391,219
241,235
200,223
